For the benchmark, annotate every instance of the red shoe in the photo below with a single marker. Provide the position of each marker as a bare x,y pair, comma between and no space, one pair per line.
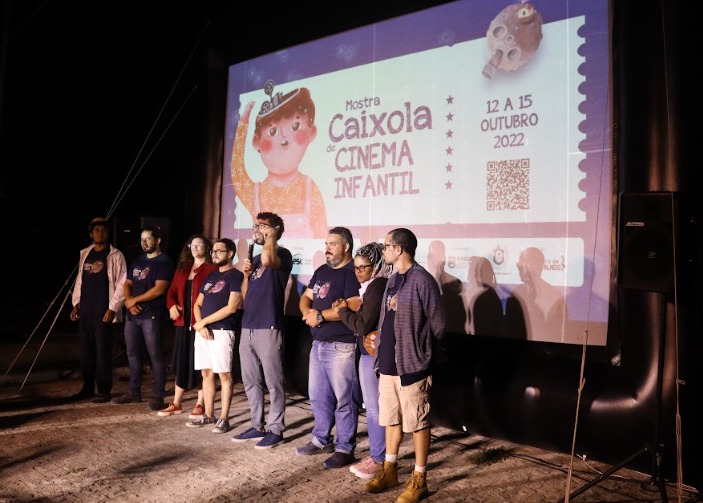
170,410
196,412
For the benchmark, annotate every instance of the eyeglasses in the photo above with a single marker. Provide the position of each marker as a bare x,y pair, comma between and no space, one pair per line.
199,246
213,252
362,268
256,227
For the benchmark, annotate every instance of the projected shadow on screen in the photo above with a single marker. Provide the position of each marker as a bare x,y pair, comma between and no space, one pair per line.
484,309
450,286
535,310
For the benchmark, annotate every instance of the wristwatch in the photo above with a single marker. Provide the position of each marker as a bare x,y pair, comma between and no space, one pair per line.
320,319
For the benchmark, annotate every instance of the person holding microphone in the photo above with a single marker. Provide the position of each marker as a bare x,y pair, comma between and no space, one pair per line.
261,343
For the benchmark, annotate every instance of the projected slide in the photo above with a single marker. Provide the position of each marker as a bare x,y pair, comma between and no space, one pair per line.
484,128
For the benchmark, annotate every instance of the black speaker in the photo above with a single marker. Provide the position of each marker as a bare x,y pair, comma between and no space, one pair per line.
646,242
127,230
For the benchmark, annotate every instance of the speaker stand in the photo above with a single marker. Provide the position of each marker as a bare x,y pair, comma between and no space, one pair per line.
657,452
657,479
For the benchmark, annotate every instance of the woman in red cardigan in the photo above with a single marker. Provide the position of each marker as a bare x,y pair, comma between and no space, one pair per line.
194,265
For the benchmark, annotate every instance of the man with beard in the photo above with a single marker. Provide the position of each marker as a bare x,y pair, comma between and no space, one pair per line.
333,383
261,345
215,308
145,290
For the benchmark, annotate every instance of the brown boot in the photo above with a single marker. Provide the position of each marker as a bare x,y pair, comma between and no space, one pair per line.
415,489
386,477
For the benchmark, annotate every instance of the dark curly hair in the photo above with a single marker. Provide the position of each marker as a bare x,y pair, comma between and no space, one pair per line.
185,257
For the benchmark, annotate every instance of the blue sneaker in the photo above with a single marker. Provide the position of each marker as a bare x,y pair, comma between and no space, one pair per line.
338,460
269,440
250,434
310,449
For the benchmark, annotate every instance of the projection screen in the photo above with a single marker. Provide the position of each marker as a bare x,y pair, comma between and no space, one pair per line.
484,128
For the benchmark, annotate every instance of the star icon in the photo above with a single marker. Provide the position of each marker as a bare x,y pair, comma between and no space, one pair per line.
450,117
450,133
449,168
448,185
450,100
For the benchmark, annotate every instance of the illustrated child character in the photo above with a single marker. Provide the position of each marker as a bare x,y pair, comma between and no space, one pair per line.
283,130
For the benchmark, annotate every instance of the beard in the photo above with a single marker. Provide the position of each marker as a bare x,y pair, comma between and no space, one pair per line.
334,261
221,262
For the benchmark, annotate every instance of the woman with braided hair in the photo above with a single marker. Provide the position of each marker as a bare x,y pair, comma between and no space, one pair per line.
361,314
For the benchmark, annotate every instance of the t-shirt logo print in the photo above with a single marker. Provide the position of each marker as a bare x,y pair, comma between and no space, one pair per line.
140,273
97,266
258,272
392,302
321,290
94,267
214,288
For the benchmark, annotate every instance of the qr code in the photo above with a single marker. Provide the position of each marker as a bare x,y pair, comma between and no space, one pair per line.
508,185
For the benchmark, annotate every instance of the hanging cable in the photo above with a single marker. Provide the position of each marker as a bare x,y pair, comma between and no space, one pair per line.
126,184
584,346
123,193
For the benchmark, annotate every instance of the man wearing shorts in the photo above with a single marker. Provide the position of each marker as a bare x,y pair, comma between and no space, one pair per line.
219,299
412,321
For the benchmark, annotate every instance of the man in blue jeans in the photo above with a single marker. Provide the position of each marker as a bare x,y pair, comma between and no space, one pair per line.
145,290
333,382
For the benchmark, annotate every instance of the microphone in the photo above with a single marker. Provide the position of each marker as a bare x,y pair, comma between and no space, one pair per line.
251,251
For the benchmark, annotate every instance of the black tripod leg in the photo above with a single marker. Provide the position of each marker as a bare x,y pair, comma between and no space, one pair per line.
605,474
658,473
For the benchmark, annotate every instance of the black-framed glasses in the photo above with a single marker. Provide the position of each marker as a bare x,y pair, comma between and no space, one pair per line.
213,252
256,227
362,268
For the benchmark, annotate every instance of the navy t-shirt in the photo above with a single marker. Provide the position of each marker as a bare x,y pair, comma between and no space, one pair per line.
95,284
386,350
263,305
216,289
327,285
144,273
